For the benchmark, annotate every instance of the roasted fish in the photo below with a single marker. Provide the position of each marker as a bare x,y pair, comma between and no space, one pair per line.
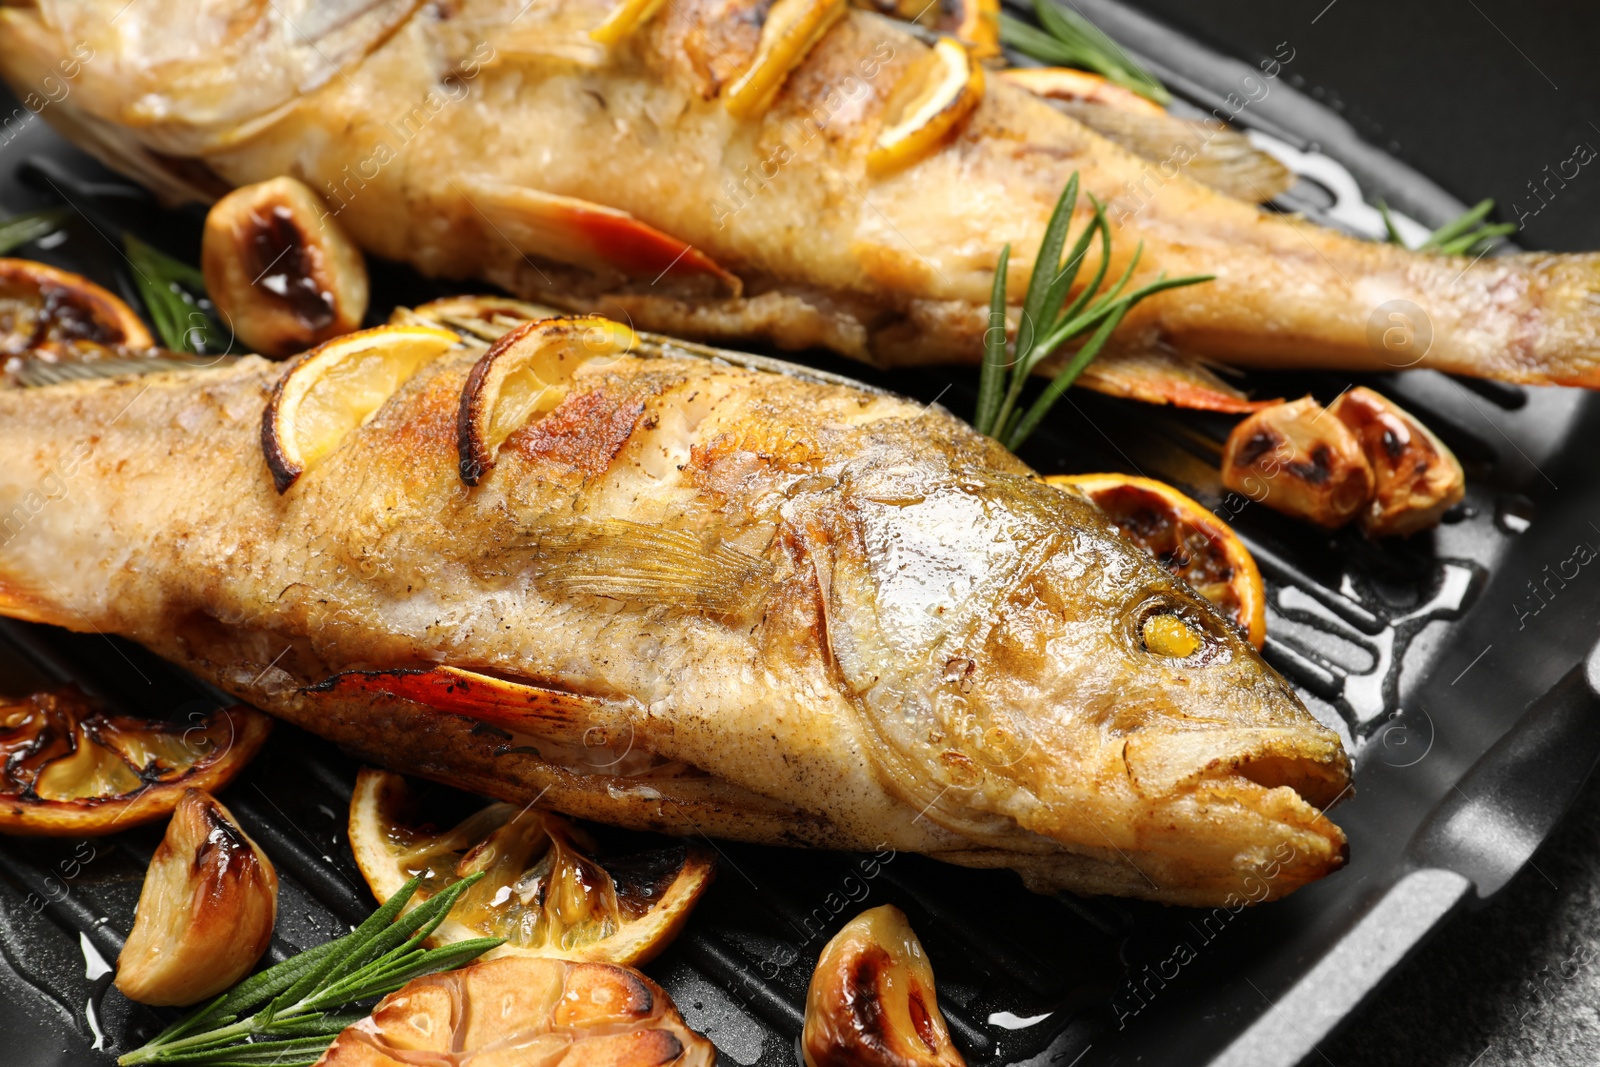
643,585
707,174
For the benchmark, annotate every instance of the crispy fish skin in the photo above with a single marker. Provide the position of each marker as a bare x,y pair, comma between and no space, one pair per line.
438,134
932,651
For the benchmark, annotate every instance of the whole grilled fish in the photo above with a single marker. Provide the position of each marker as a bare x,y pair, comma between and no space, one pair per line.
684,594
497,139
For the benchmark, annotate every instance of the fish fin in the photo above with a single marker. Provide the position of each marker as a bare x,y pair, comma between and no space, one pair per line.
1158,375
33,373
645,566
589,235
19,600
1219,157
554,714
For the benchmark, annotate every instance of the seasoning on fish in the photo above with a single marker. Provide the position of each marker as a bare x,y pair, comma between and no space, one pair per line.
888,632
496,139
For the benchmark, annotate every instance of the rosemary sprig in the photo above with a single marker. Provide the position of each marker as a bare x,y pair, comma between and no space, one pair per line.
288,1014
173,293
1045,325
18,230
1466,235
1067,39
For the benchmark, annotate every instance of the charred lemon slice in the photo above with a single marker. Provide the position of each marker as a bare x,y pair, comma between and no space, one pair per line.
1187,540
545,891
1065,83
336,387
624,19
521,1011
946,86
792,28
526,373
53,312
68,769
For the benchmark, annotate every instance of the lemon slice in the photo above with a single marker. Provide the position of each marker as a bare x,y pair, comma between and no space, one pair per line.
624,19
792,28
70,769
337,386
59,314
544,891
526,373
952,87
1188,541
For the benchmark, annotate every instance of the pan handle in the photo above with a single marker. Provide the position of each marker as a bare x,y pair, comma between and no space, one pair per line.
1511,799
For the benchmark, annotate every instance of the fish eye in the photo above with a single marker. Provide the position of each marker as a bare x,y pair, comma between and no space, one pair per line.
1166,634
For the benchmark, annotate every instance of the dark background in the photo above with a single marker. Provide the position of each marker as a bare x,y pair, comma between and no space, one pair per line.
1479,95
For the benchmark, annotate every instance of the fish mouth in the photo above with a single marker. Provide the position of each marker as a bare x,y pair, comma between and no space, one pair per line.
1313,765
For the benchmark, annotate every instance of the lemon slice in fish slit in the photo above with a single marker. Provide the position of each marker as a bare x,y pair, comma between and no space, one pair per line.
624,19
952,86
524,374
792,29
335,388
543,891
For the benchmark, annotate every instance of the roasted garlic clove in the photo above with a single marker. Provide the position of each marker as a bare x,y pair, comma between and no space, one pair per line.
1417,477
524,1010
1297,459
205,915
281,270
872,1000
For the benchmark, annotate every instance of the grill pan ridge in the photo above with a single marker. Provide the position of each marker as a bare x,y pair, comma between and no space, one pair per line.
1473,723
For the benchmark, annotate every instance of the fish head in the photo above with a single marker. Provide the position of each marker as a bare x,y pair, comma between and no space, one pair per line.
1026,672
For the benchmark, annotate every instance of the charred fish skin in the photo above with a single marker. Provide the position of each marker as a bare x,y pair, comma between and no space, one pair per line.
924,649
496,139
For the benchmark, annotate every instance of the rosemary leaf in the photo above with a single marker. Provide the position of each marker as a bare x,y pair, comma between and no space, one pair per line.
1465,235
292,1005
172,292
1068,39
992,377
1044,325
20,229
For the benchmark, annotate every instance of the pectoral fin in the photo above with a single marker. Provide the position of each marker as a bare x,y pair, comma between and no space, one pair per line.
645,566
555,714
589,235
1159,376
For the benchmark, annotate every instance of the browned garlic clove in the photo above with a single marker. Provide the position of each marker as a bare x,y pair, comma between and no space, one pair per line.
280,269
1297,459
1417,477
206,912
872,1001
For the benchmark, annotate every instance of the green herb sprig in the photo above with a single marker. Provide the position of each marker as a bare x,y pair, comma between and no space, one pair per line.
1045,325
1466,235
172,292
20,229
288,1014
1067,39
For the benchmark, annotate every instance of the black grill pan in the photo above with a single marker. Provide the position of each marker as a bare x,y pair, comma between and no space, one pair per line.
1474,718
